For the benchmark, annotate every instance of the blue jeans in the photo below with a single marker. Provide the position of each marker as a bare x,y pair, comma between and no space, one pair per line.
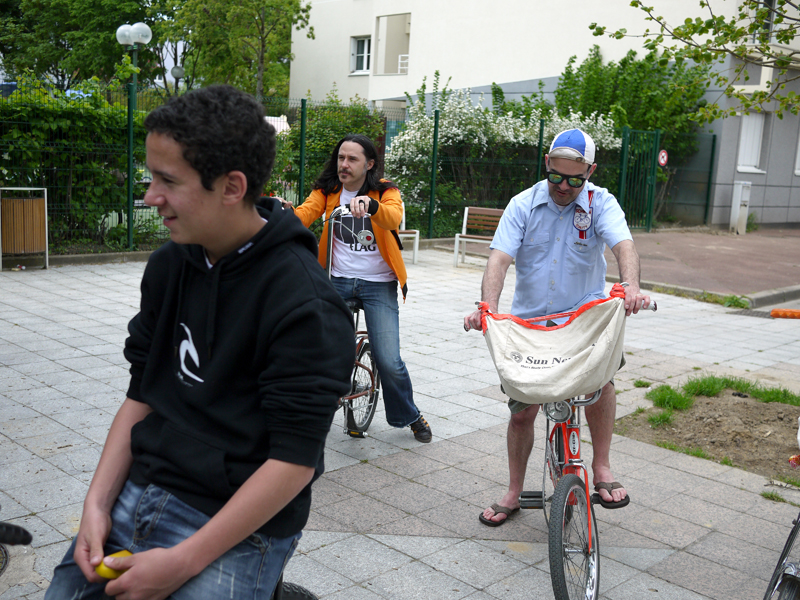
146,518
383,324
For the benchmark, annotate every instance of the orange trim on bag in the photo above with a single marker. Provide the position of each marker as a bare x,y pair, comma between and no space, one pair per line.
617,291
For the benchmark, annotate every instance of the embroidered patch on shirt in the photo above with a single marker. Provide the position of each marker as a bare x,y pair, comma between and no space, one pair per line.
582,220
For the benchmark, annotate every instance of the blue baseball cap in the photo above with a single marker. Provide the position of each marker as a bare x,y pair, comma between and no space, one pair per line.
573,144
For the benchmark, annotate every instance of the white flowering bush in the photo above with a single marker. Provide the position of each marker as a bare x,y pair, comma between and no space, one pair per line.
483,157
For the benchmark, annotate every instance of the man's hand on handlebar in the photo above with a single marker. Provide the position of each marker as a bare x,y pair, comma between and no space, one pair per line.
360,206
285,204
635,300
473,320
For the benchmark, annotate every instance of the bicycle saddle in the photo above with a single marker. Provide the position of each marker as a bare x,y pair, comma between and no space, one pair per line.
354,304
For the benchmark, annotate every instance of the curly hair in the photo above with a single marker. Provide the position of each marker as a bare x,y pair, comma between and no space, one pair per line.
221,129
328,180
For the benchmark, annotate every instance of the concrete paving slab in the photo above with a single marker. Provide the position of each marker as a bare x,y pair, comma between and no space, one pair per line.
417,501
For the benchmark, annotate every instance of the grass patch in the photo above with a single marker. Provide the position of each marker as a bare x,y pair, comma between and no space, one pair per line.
726,461
640,383
666,397
781,395
697,452
711,386
790,480
774,496
661,419
730,300
734,301
639,410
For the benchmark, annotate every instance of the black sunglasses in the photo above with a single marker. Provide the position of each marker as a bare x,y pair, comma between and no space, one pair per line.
572,180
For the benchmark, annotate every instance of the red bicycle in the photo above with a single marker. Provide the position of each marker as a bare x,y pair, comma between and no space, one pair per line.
565,498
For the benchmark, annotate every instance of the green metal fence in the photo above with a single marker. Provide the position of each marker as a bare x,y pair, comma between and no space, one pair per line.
77,149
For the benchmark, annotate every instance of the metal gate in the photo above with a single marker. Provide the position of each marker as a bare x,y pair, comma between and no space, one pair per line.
637,176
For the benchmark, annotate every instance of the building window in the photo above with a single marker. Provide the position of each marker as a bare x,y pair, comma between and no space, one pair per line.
765,35
750,139
360,48
394,41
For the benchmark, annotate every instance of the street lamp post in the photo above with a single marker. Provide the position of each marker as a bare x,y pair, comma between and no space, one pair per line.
177,73
131,36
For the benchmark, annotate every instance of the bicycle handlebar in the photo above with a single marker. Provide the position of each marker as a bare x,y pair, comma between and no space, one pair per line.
14,535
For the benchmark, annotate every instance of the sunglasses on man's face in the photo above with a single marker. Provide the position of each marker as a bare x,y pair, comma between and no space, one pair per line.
572,180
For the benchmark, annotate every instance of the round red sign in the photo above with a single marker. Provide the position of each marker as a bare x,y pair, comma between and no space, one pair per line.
662,158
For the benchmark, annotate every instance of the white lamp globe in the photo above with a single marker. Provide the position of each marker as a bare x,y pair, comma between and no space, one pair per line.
177,72
124,35
141,33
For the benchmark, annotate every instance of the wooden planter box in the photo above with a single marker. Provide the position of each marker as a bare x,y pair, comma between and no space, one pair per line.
24,225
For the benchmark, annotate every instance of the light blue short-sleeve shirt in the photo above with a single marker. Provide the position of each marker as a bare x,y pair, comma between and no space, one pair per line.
559,253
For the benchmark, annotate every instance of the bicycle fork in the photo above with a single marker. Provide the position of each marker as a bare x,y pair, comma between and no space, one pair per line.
573,463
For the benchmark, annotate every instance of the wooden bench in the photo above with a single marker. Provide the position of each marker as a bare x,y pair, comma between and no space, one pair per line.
485,220
409,234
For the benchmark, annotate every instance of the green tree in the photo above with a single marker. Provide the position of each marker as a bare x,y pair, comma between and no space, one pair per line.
66,41
760,35
173,44
245,43
525,107
644,93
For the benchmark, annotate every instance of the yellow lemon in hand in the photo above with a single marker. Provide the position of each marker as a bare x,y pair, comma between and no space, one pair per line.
108,572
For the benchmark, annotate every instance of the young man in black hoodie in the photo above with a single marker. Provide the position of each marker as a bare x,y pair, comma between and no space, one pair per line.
238,356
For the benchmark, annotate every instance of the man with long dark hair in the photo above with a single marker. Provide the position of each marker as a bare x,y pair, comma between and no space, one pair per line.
369,272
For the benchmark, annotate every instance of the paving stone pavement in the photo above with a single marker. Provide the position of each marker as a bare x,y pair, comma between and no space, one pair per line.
392,518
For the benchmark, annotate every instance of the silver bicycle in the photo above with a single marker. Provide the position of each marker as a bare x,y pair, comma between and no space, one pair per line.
785,581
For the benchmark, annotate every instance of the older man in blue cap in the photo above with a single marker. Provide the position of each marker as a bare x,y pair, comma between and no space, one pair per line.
556,232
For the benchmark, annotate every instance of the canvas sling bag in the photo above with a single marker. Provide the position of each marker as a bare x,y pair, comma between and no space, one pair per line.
539,364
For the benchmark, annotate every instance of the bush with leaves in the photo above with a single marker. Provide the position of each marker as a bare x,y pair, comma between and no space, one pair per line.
484,158
326,123
76,147
645,94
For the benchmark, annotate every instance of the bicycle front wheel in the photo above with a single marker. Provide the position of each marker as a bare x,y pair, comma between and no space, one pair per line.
574,567
367,382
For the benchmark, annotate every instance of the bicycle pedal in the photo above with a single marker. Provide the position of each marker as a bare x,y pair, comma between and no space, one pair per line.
357,434
531,500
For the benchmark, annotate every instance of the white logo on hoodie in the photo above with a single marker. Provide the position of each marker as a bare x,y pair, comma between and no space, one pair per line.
187,346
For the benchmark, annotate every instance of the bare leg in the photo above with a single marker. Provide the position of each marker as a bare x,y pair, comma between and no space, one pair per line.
600,417
520,444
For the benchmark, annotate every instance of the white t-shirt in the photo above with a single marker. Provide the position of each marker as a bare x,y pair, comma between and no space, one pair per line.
352,259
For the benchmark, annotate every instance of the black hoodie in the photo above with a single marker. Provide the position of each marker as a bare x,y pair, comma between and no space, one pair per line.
240,363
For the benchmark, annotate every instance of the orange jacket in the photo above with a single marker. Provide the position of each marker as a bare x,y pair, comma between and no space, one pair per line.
384,222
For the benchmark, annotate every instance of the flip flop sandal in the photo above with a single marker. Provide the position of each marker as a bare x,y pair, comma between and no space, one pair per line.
604,485
498,510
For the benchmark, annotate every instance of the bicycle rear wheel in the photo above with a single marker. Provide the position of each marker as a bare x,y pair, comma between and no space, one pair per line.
365,379
292,591
574,568
789,589
553,465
